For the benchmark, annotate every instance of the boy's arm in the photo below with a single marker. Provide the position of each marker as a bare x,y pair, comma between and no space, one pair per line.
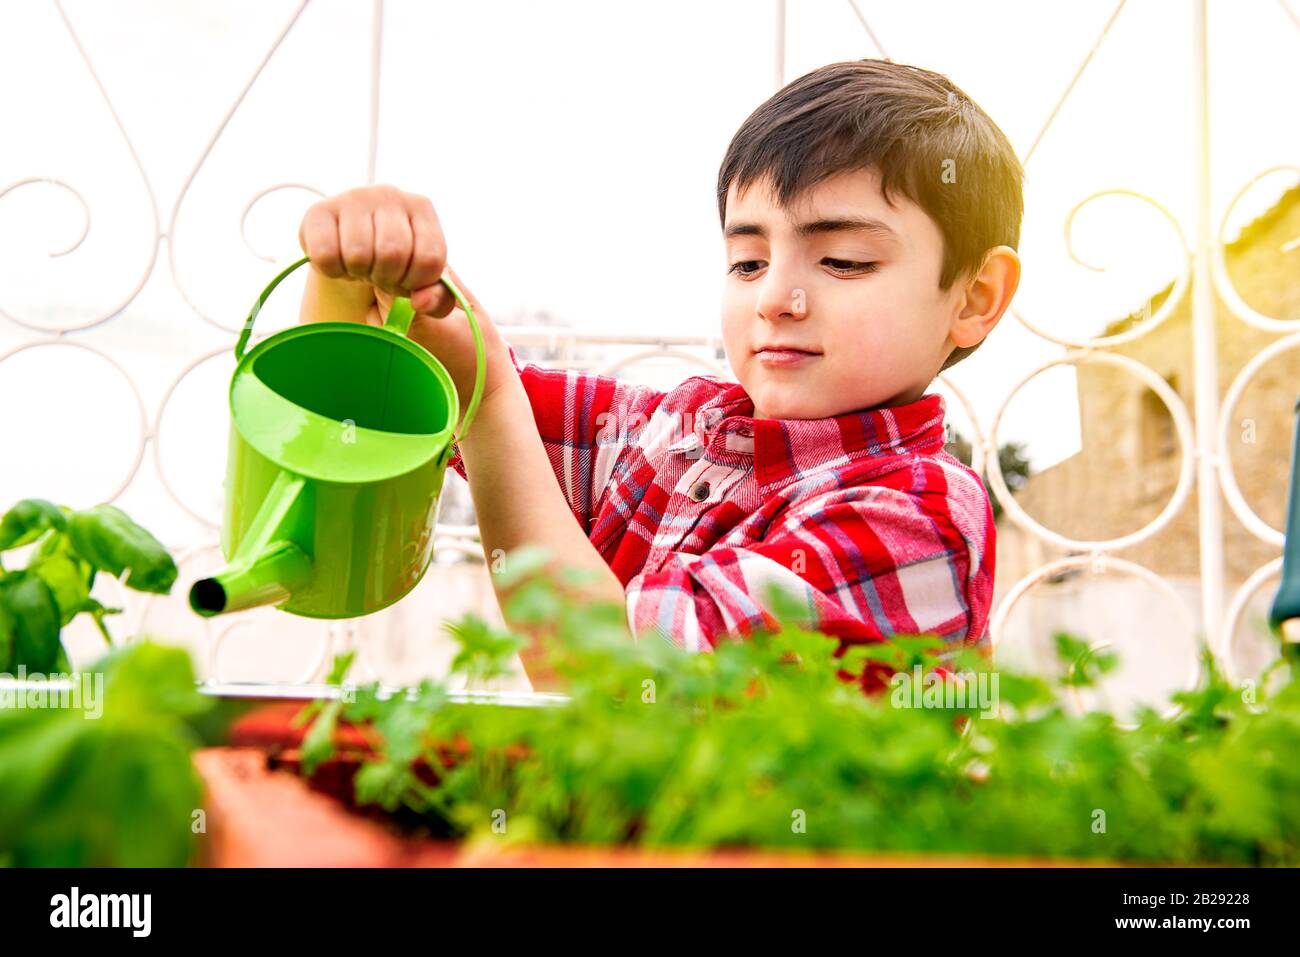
541,452
584,421
865,563
518,497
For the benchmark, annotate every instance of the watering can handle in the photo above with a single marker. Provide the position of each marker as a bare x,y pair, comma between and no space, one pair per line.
399,320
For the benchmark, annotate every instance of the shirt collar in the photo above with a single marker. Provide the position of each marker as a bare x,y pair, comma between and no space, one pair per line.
787,449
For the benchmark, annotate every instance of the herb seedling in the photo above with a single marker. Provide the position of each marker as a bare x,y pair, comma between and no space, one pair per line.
72,547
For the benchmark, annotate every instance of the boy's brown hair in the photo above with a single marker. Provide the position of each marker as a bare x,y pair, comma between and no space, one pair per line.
911,125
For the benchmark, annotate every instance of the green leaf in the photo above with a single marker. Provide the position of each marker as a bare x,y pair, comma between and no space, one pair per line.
1069,648
318,743
8,638
534,601
66,574
107,782
339,668
109,540
1085,663
484,651
29,520
97,612
32,621
788,606
919,646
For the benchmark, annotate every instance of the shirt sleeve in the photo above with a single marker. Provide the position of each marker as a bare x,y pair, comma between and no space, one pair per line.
863,563
585,421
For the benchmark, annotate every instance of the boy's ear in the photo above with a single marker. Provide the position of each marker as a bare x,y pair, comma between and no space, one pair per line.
988,294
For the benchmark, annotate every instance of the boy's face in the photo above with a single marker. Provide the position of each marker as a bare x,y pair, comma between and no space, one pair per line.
871,336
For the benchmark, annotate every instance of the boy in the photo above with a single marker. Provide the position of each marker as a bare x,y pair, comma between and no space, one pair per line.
870,215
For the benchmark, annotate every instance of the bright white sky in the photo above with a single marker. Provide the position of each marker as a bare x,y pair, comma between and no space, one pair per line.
571,150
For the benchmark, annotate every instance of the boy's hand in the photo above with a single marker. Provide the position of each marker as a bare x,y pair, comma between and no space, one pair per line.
384,243
384,237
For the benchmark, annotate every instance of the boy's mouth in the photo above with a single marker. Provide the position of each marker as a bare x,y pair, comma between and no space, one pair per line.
783,355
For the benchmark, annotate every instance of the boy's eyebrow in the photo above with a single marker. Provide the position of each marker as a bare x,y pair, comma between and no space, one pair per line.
850,224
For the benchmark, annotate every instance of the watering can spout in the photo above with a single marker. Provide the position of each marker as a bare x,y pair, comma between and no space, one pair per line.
269,565
268,578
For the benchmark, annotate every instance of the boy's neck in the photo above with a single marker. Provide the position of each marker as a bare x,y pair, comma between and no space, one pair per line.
905,398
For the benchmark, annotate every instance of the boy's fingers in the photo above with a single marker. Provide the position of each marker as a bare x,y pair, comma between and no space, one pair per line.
393,246
357,240
443,303
319,238
430,255
435,300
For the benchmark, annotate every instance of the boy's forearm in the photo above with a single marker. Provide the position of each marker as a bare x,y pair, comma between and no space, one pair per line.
335,300
517,497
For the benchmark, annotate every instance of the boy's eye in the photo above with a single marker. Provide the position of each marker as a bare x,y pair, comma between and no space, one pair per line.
747,267
848,265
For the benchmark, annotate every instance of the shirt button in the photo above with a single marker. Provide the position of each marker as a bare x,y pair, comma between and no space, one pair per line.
746,431
700,491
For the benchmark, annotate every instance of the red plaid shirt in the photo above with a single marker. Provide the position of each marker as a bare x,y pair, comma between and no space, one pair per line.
696,506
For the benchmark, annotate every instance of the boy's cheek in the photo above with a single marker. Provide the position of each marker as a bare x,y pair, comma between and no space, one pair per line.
733,326
736,348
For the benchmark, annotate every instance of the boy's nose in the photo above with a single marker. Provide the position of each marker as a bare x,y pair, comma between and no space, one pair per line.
785,301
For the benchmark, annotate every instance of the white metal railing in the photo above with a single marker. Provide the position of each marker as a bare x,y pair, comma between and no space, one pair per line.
1204,439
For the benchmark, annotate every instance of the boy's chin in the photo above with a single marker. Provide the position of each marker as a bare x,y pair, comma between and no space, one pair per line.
778,404
796,403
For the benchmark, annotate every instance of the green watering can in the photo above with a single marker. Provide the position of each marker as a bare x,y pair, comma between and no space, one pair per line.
339,442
